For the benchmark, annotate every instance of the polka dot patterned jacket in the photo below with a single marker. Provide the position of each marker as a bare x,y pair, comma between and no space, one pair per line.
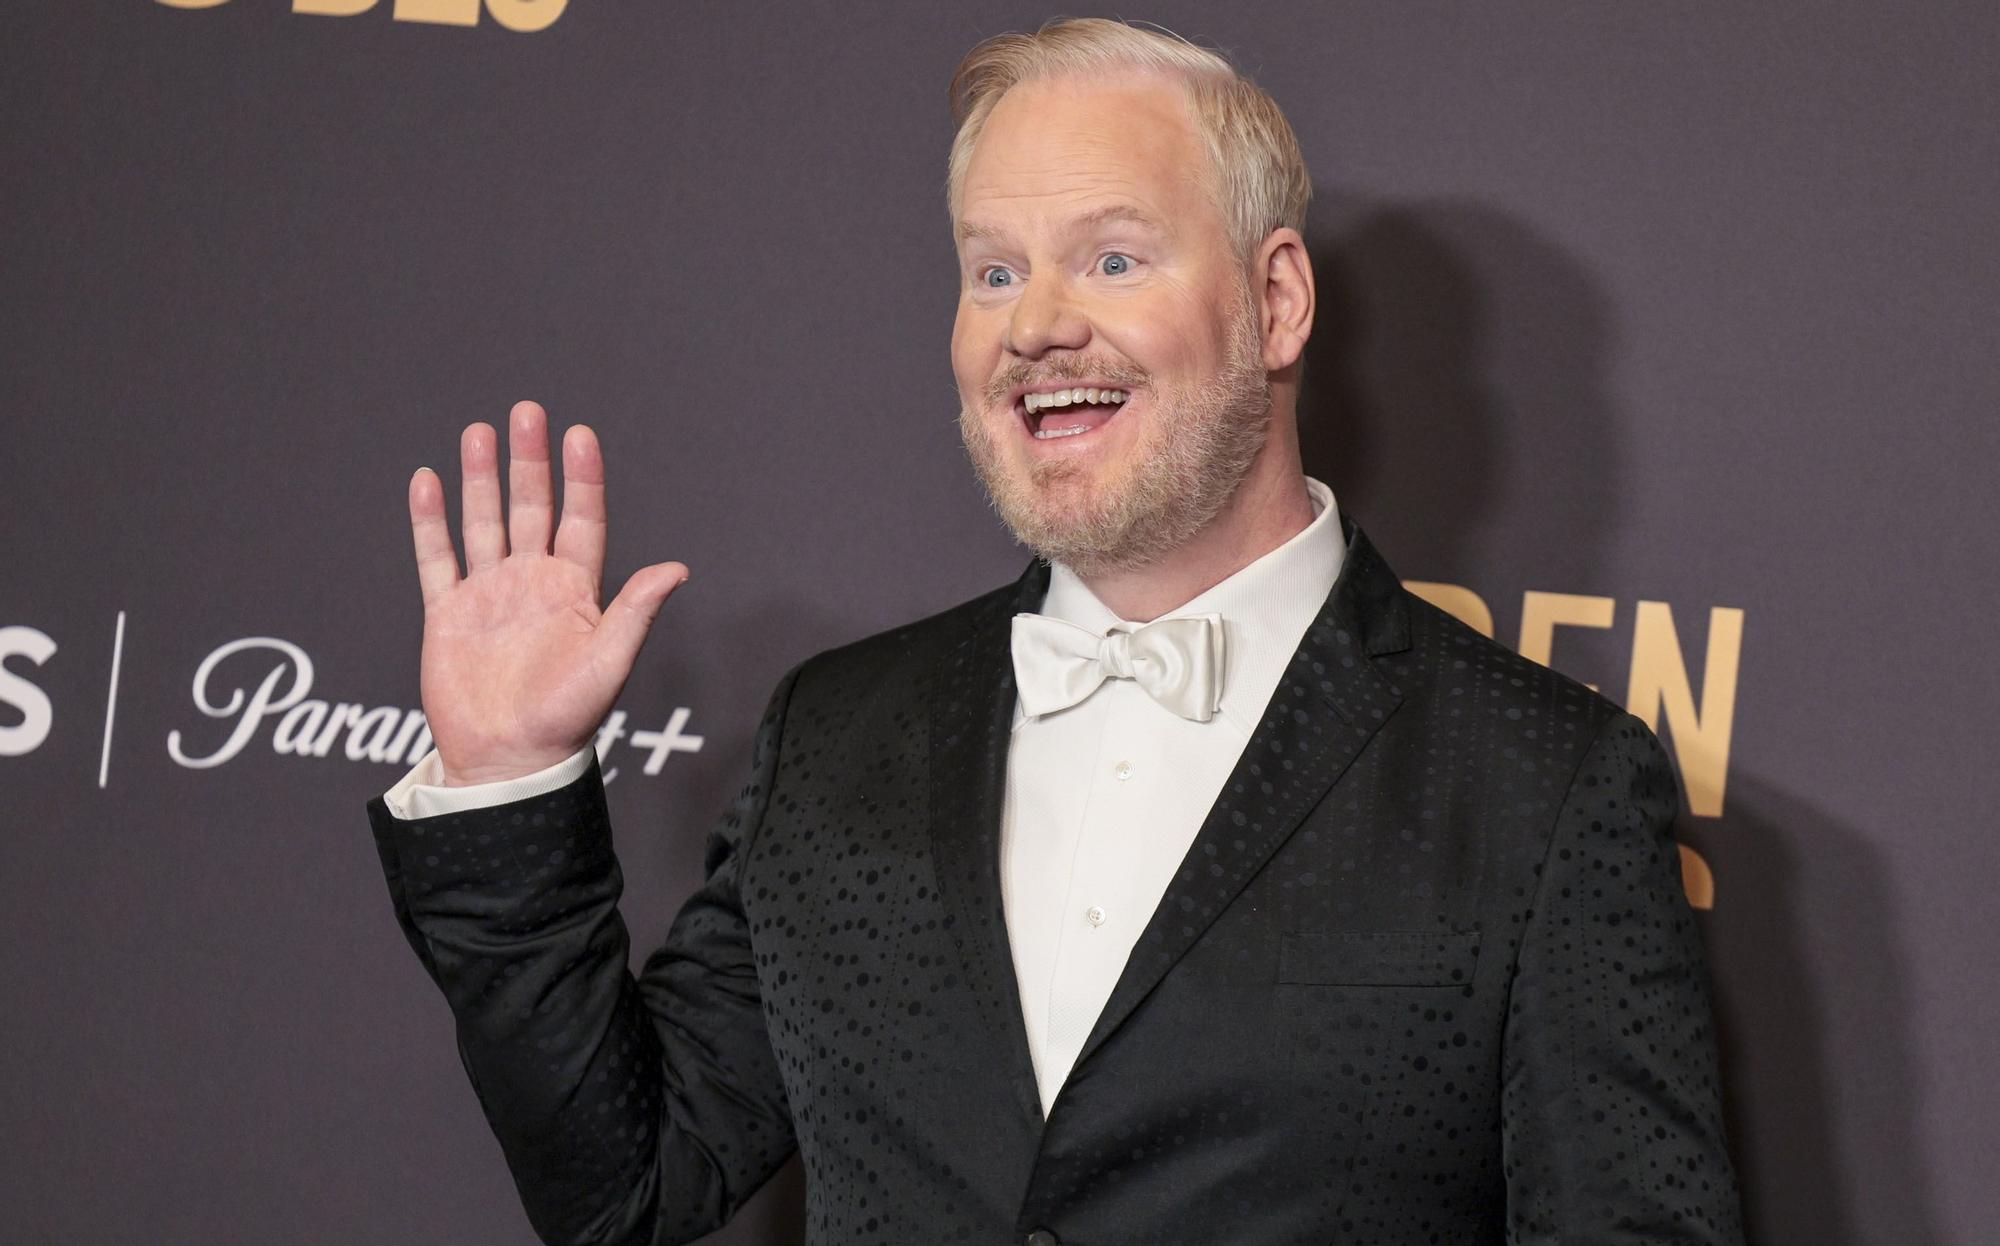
1427,974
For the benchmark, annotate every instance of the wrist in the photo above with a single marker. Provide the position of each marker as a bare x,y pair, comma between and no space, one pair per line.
450,775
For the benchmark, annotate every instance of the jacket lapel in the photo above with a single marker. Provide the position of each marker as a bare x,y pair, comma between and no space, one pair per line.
972,715
1327,707
1296,754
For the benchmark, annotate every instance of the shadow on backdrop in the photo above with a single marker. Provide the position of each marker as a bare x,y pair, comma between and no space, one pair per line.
1456,396
1814,1014
1455,391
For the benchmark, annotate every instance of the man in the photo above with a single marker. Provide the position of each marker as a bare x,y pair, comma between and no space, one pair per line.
1201,886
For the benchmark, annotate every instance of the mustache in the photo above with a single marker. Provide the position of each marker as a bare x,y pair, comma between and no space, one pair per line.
1066,368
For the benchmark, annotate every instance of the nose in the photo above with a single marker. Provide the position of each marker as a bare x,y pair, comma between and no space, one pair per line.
1046,318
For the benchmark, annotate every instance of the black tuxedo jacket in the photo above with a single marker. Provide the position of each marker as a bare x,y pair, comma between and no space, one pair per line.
1426,975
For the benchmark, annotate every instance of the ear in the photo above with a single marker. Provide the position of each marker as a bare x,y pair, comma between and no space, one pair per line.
1282,278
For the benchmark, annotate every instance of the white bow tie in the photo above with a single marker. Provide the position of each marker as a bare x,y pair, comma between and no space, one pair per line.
1177,661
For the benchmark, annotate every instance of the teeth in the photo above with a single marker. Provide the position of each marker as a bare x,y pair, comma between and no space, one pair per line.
1066,397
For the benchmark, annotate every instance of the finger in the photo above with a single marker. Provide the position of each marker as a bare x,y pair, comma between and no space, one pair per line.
437,565
630,615
581,537
530,493
479,493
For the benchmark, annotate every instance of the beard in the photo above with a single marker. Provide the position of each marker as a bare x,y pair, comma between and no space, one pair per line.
1195,447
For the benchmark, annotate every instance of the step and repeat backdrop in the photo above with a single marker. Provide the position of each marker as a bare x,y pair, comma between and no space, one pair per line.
1655,341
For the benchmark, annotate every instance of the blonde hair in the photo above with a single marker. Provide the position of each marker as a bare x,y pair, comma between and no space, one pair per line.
1255,174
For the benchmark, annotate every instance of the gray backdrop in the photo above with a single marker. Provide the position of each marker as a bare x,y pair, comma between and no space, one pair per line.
1679,304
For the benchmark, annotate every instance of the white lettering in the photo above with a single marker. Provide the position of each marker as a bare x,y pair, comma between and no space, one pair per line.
330,730
306,726
37,714
669,740
260,704
372,734
298,727
412,742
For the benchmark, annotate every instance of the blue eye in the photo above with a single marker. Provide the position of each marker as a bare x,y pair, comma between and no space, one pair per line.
998,277
1115,265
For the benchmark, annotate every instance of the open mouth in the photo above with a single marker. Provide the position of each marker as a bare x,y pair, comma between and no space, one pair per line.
1057,414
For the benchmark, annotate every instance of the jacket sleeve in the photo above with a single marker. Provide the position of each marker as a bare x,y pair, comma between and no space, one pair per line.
1611,1126
642,1110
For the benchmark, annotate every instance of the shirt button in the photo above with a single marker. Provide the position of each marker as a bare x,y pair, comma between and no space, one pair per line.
1094,915
1042,1237
1123,770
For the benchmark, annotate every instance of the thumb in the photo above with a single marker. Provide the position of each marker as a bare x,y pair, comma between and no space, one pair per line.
630,615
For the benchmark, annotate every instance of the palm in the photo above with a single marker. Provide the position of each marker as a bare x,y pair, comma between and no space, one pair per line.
507,661
519,662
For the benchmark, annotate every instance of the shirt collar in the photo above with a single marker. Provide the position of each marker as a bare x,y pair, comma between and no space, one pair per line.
1266,608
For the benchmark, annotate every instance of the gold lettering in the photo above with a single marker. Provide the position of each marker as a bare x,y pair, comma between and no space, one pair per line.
1660,681
526,15
1542,613
522,15
1461,603
1696,878
439,12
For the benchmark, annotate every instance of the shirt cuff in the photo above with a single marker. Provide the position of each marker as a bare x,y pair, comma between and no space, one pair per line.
422,794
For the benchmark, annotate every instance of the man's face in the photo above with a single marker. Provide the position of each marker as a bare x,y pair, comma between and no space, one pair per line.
1092,258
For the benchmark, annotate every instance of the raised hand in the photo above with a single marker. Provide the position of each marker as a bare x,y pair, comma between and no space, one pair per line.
519,663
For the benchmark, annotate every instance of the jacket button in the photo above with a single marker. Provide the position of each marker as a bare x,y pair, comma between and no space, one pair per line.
1042,1237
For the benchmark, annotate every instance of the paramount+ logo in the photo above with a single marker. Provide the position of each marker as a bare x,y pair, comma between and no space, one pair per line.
263,687
522,15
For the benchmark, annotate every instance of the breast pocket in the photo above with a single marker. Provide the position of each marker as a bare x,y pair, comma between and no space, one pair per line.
1378,958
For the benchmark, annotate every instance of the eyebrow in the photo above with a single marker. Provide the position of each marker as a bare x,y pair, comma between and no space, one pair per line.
1105,215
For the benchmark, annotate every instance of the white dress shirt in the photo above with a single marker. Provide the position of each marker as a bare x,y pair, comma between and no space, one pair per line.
1103,798
422,794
